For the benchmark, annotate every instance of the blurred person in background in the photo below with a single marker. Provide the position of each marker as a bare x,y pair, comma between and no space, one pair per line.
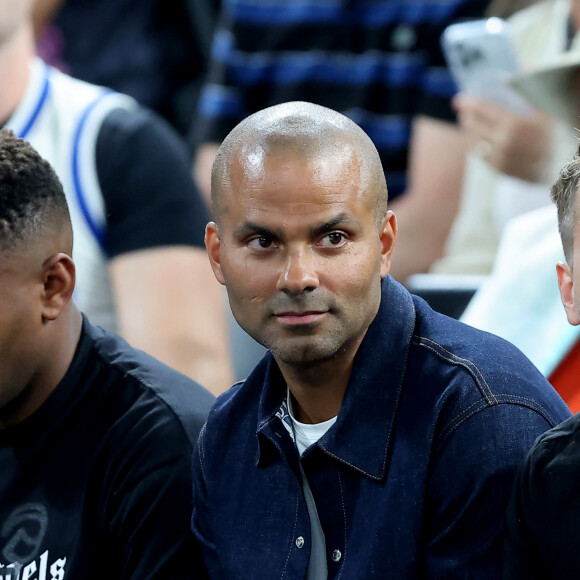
520,300
155,51
137,217
515,155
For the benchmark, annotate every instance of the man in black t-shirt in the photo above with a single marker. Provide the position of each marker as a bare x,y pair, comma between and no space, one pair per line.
137,217
95,436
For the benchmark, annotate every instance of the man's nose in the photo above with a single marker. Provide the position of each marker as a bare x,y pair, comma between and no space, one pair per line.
299,273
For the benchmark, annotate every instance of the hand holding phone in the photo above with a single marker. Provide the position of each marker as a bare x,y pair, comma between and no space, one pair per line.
482,60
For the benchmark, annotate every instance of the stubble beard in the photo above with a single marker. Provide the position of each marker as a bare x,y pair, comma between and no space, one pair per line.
310,354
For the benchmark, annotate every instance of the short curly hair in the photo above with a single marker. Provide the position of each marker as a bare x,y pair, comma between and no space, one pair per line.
31,195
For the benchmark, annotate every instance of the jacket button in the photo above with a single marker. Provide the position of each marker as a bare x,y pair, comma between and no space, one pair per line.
336,556
299,542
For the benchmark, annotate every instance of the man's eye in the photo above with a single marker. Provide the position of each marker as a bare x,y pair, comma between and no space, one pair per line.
261,242
332,239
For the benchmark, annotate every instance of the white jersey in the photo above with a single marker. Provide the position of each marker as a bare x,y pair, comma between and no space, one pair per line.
61,118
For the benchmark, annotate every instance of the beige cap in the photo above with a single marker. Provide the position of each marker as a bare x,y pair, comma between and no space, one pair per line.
551,89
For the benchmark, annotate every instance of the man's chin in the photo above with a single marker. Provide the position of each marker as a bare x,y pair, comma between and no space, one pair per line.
307,354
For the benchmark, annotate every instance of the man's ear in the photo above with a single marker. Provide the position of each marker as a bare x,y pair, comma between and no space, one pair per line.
212,246
387,235
58,277
566,284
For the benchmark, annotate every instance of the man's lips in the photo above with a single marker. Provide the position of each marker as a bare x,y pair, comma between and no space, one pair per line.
306,317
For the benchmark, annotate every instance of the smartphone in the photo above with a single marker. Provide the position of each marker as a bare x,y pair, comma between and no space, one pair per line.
482,60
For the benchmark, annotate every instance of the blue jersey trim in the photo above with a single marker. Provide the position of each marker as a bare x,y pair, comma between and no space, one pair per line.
98,232
43,96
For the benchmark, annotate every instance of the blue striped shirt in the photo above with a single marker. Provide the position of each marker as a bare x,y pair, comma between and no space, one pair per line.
377,61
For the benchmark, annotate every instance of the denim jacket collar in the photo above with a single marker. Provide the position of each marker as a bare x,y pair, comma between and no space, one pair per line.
360,437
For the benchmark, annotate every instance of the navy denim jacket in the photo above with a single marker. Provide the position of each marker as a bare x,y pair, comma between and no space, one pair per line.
412,480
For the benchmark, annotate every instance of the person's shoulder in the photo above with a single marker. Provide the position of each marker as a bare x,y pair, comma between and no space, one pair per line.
130,124
126,120
228,407
242,397
129,136
551,469
80,96
558,449
69,84
465,341
148,385
500,372
122,116
236,410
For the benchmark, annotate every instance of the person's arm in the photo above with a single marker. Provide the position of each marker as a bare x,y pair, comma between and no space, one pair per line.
426,210
222,101
469,488
168,302
437,151
170,305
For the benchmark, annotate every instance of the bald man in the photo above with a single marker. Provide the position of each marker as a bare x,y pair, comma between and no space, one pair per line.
376,438
95,436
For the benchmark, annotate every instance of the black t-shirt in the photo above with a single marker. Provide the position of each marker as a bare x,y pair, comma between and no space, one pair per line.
145,176
97,483
542,540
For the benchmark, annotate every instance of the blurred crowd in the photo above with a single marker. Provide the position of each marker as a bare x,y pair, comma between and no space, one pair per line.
469,179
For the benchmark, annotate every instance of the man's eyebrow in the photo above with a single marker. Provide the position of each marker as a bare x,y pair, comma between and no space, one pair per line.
341,219
253,228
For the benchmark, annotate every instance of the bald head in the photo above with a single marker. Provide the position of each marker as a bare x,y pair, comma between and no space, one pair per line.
299,131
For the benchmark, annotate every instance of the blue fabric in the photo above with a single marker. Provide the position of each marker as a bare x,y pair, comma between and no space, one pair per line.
413,479
373,13
379,58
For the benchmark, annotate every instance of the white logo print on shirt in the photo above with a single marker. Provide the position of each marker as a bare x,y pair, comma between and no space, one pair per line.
24,531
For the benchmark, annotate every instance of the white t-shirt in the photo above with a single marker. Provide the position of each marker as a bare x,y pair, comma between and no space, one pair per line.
305,435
